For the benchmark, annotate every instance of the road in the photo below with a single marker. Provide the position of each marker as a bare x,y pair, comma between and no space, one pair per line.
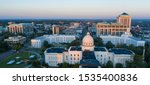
6,54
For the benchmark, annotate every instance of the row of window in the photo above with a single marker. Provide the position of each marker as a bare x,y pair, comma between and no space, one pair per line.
52,58
90,44
75,55
123,60
112,29
74,59
110,26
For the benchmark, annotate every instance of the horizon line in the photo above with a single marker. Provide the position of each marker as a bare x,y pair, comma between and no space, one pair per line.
66,18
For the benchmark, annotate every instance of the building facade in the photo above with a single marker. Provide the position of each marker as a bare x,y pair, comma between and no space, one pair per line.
124,19
55,29
87,55
21,28
38,42
126,39
122,26
15,40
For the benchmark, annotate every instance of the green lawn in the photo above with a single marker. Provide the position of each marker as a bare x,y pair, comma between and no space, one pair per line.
23,55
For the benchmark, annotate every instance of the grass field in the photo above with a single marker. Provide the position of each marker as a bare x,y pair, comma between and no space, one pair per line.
22,55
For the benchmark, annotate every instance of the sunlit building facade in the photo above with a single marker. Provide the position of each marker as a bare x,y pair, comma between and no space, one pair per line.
21,28
38,42
122,25
87,55
55,29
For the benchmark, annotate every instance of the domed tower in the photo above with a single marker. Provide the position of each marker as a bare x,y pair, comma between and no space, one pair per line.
124,19
88,43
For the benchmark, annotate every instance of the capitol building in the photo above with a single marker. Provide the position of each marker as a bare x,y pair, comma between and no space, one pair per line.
87,55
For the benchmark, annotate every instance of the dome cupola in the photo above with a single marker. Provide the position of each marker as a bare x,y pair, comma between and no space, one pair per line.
88,42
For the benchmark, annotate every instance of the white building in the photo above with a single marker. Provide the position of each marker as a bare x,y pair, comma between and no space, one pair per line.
87,55
54,56
15,40
119,55
38,42
123,39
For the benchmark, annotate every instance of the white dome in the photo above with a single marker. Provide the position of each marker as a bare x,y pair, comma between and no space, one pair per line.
88,40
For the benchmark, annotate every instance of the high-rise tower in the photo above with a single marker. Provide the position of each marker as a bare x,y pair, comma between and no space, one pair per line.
124,19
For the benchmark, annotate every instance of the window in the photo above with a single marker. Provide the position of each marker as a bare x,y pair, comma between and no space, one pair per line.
74,58
70,58
78,54
78,58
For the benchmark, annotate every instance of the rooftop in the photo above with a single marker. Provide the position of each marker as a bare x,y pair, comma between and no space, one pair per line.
55,50
15,38
100,49
88,55
75,48
109,24
121,51
58,35
124,13
89,60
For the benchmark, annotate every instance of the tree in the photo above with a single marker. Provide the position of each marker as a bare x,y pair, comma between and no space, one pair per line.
148,65
36,63
17,46
4,47
45,65
137,62
76,42
137,50
98,42
75,65
138,58
147,54
109,64
119,65
63,65
109,45
45,44
121,46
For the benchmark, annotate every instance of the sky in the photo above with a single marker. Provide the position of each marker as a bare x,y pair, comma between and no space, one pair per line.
73,9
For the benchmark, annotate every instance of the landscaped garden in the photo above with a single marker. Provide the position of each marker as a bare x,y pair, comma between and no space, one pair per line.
18,60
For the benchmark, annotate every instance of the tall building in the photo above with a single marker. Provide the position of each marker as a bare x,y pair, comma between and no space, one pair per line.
122,26
55,29
21,28
124,19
